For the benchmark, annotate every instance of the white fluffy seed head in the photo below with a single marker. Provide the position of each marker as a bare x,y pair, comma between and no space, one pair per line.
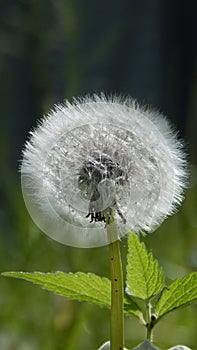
96,154
180,347
106,346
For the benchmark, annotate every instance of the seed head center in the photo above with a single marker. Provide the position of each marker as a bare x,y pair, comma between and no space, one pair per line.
97,180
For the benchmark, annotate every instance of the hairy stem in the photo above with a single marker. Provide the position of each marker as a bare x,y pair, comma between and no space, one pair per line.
117,291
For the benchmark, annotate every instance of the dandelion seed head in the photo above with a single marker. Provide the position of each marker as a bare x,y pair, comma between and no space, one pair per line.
180,347
98,154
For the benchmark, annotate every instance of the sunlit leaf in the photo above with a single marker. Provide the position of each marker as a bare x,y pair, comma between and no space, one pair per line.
182,292
144,276
80,286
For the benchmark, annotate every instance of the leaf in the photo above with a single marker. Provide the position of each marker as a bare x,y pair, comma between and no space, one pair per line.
132,308
144,276
80,286
182,292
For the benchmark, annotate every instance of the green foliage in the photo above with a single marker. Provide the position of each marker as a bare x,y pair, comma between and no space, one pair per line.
144,280
144,277
80,286
182,292
132,308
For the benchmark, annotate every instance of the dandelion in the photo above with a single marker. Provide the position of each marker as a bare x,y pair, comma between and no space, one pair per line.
180,347
106,346
97,158
97,168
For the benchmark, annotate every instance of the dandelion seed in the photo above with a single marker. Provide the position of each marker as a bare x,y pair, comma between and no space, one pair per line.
180,347
106,346
96,157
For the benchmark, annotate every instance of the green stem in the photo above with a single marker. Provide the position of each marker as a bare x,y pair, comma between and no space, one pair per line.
117,291
149,334
149,325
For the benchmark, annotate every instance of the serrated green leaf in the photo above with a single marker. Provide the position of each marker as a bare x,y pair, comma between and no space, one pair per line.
182,292
80,286
144,276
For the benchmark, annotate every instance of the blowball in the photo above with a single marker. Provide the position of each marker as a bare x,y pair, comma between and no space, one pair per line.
99,158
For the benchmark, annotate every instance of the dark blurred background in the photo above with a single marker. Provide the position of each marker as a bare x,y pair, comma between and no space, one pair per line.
57,49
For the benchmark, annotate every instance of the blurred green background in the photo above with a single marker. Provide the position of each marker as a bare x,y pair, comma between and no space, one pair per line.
56,49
